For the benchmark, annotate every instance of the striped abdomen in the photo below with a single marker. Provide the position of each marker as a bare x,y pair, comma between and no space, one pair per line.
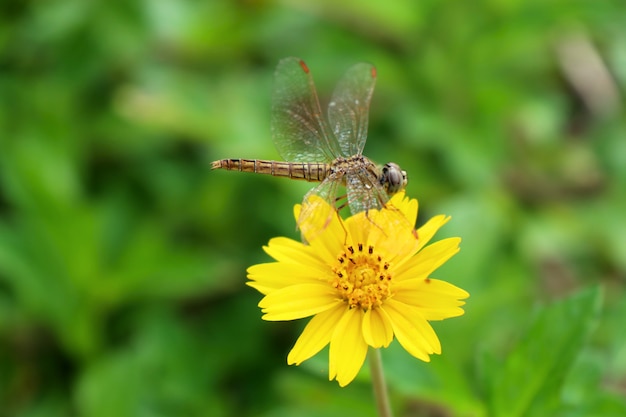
309,171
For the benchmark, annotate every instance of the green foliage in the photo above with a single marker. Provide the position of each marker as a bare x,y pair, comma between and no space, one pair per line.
531,381
123,257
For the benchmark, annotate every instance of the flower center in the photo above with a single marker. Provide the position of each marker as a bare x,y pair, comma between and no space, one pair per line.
362,277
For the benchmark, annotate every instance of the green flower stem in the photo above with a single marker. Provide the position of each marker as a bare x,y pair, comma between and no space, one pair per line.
379,384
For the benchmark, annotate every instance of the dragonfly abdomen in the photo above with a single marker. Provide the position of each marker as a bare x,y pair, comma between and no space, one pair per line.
308,171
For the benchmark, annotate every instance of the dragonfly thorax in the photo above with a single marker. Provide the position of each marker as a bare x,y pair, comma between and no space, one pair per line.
353,164
393,179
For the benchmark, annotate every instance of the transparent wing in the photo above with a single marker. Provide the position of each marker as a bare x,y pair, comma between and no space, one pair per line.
348,110
314,212
364,192
299,130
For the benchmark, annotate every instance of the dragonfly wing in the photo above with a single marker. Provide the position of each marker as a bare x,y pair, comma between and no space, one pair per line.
364,192
348,110
318,208
299,130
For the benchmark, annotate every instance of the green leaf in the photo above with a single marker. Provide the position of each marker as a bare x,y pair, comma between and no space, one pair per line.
531,380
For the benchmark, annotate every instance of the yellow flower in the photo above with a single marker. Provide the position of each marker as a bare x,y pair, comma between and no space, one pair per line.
363,280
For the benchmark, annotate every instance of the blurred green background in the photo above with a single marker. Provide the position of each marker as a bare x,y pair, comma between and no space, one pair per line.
123,257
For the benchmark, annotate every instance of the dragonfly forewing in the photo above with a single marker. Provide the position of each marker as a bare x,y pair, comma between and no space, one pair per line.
299,130
348,110
364,192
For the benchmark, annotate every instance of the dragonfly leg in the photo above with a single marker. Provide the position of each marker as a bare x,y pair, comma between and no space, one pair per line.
367,216
339,204
345,231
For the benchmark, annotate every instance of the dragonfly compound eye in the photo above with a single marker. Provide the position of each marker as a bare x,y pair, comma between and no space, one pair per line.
393,178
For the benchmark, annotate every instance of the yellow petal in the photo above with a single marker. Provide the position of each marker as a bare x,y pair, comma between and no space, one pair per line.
377,330
428,230
329,245
406,205
387,230
272,276
315,335
347,348
436,300
398,240
358,227
412,330
321,226
298,301
432,289
427,260
287,250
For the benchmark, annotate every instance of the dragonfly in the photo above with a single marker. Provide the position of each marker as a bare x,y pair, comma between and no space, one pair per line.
328,150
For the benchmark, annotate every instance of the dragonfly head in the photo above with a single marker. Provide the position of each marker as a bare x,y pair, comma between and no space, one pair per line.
393,178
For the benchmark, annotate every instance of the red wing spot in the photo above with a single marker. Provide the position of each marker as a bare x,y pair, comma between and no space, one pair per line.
373,72
304,67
